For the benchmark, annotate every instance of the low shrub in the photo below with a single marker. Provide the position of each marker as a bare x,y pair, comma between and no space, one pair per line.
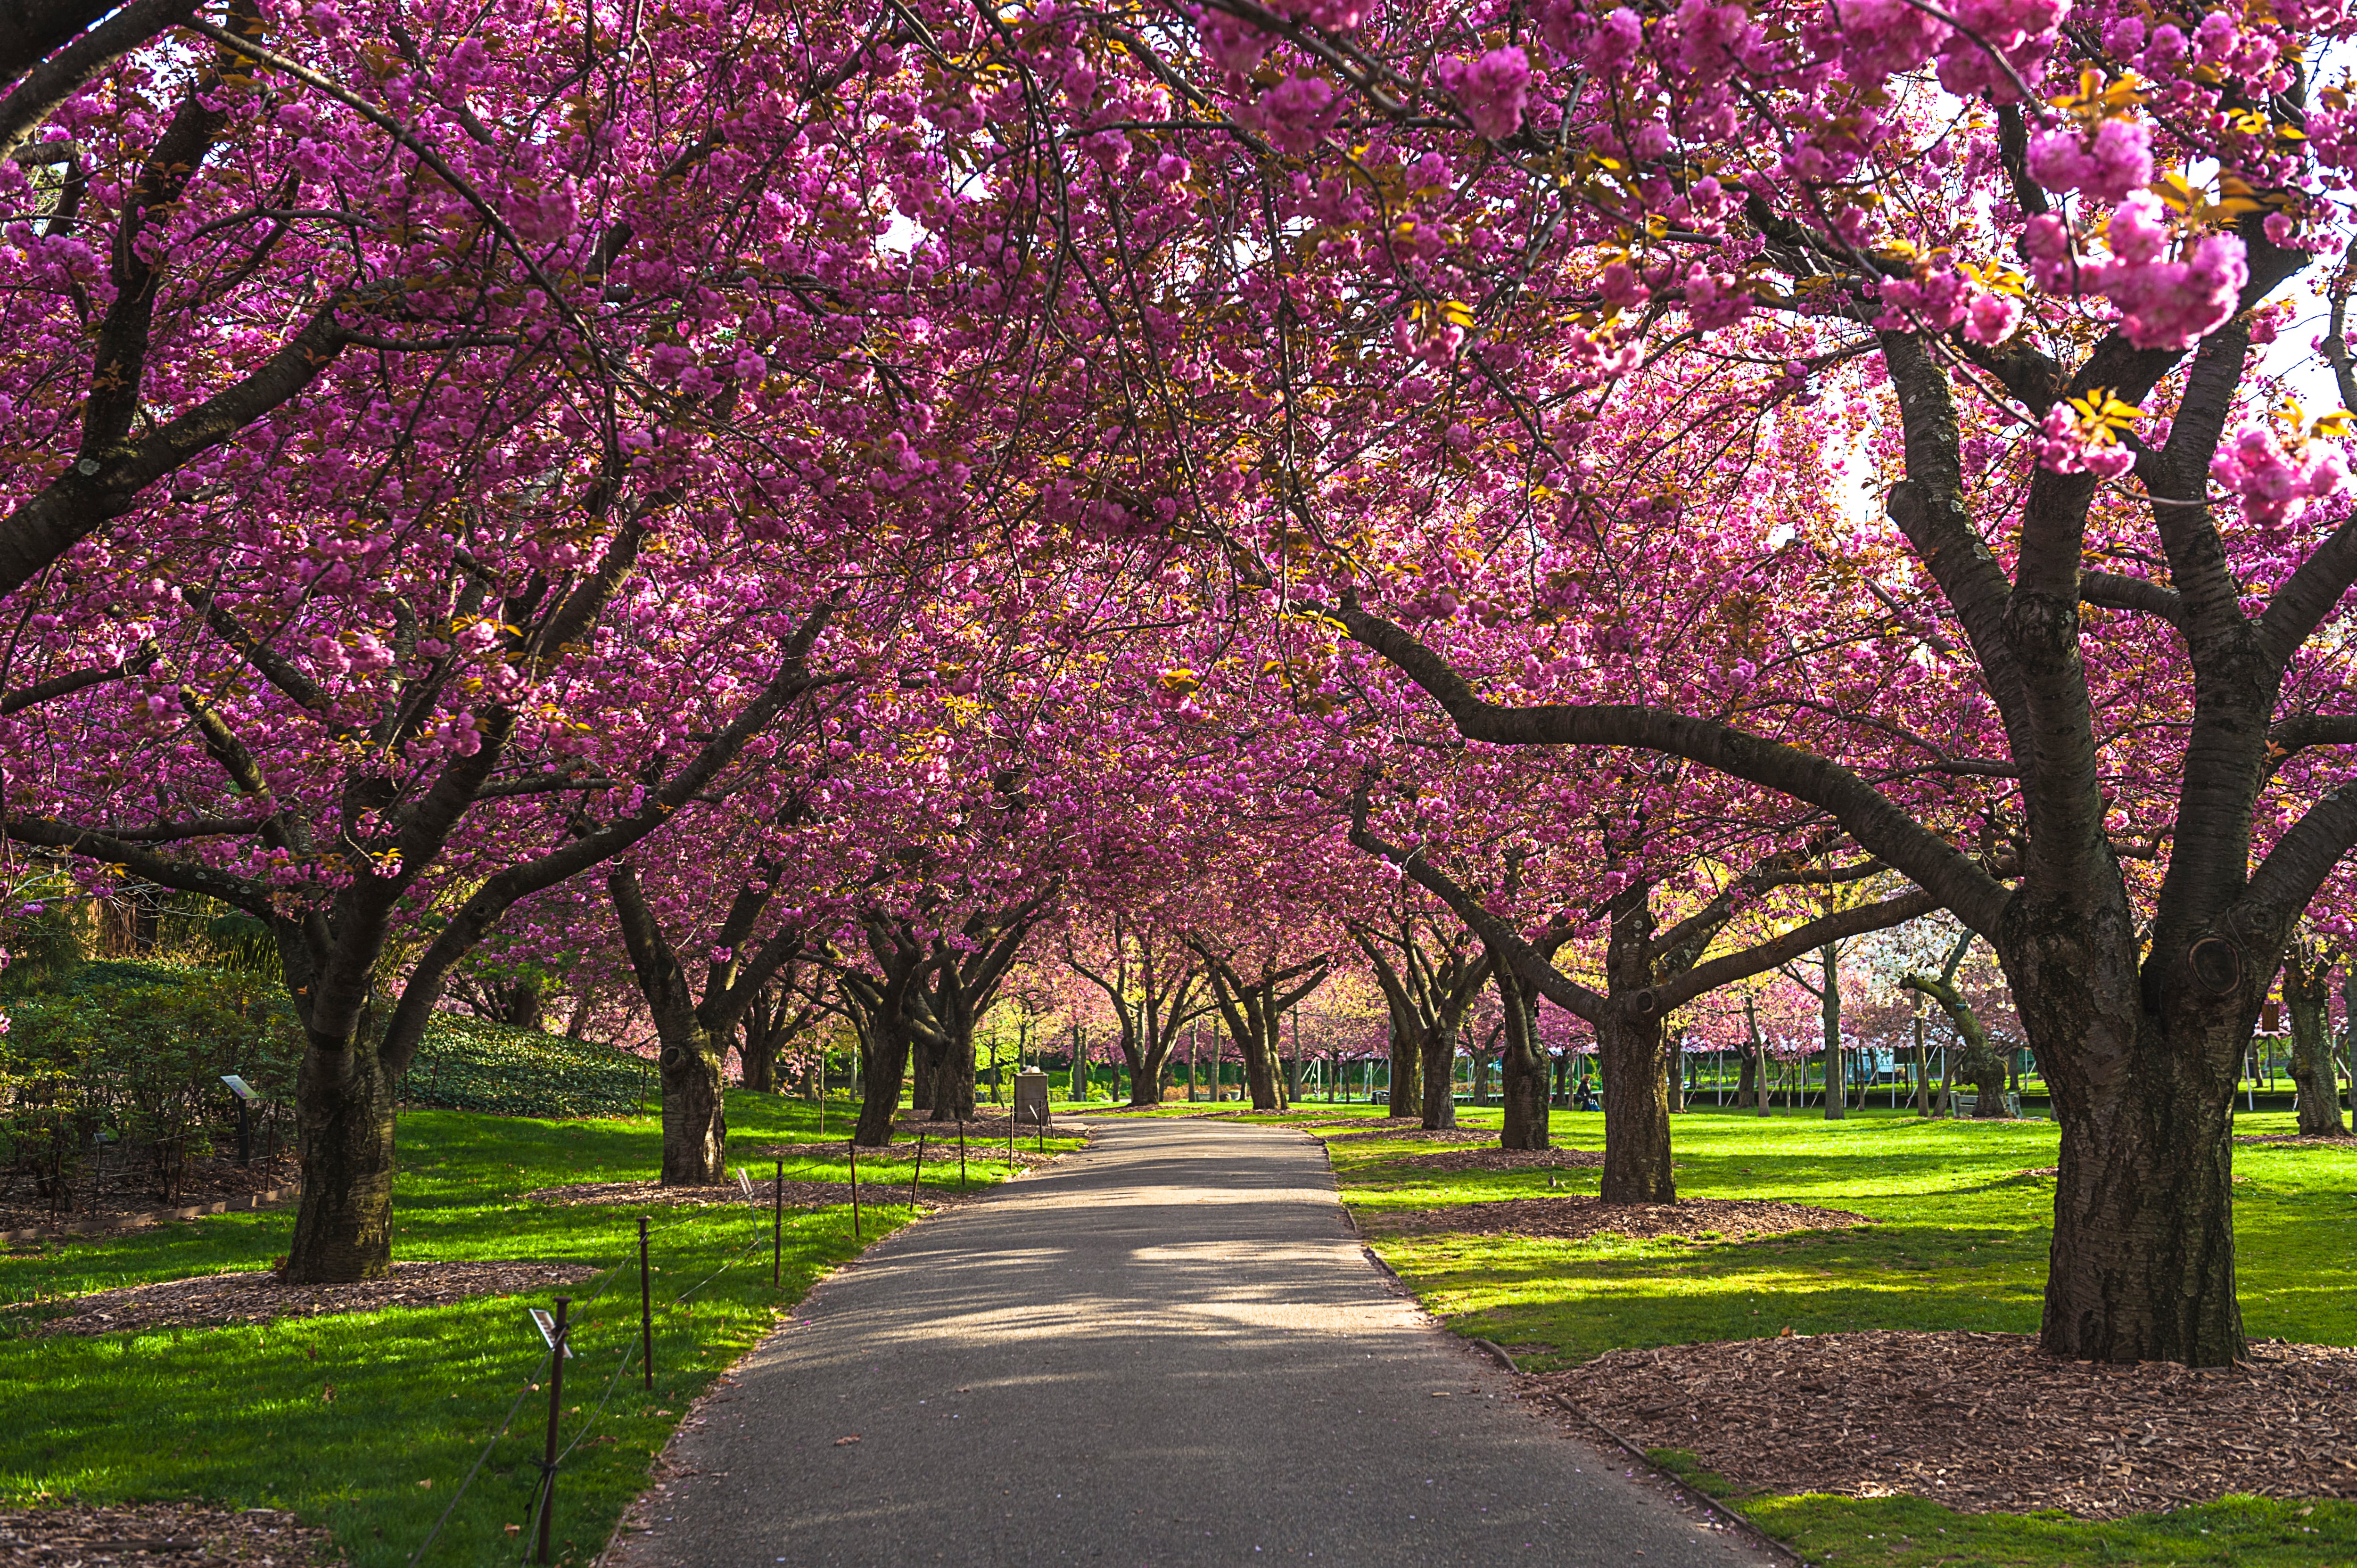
471,1064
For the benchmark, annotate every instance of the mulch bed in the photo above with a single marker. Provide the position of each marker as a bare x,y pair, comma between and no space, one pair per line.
256,1295
1985,1421
2297,1140
1415,1133
1499,1159
129,1194
190,1533
1575,1219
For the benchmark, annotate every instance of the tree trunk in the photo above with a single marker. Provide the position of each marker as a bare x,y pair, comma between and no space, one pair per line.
1829,1012
1922,1072
757,1051
694,1118
1407,1078
2308,992
1437,1051
1260,1068
1522,1070
2142,1266
883,1063
1631,1059
343,1225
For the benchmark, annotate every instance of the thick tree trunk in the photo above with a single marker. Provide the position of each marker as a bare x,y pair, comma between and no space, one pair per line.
1407,1078
2142,1267
1522,1070
1747,1087
1989,1090
694,1118
1437,1052
343,1226
2308,992
1260,1071
1631,1056
757,1053
883,1064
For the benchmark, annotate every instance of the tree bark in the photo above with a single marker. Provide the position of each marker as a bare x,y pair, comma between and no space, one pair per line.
1522,1070
694,1116
1630,1055
343,1230
2308,992
1437,1051
1829,1013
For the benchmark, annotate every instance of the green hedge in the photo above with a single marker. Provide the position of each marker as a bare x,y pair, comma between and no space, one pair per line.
466,1063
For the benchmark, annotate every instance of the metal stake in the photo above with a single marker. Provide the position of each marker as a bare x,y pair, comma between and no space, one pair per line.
961,1153
919,1174
646,1308
548,1459
854,1188
777,1223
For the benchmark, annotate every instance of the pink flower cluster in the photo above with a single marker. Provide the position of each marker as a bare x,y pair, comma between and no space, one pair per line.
1491,90
2163,303
2066,446
1994,42
2269,480
2110,164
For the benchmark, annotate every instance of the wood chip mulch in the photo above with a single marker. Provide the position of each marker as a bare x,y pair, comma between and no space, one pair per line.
1985,1421
1576,1218
2297,1140
654,1195
189,1533
256,1295
1499,1159
1416,1133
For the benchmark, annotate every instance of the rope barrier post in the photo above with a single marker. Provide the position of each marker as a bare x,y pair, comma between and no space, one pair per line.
854,1188
777,1223
555,1396
646,1309
919,1174
960,1151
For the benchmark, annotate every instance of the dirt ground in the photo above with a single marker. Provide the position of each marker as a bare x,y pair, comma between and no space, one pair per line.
1985,1421
181,1534
256,1295
1575,1217
1501,1160
111,1196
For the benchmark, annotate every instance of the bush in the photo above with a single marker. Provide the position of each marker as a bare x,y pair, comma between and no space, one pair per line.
133,1053
471,1064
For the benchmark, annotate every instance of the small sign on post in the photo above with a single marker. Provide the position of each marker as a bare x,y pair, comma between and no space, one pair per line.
745,1182
245,1098
548,1327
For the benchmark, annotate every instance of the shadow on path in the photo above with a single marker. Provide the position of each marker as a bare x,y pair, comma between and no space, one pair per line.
1166,1349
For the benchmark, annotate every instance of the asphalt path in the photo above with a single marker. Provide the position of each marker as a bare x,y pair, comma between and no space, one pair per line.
1166,1349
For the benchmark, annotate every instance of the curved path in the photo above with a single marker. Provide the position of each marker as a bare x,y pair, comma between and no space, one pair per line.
1165,1349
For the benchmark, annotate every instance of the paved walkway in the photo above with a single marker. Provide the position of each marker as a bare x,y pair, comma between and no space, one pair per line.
1166,1349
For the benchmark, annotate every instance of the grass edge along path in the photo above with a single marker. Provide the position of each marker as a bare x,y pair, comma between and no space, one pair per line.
1963,1213
364,1423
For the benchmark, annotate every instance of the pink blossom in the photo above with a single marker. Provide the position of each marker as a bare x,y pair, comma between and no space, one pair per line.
2253,465
2116,161
1991,319
1491,90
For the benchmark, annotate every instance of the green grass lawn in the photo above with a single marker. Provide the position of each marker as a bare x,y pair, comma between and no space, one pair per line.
1961,1243
365,1422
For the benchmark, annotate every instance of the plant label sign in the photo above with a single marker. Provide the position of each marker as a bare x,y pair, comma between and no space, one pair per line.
745,1182
239,1086
548,1327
